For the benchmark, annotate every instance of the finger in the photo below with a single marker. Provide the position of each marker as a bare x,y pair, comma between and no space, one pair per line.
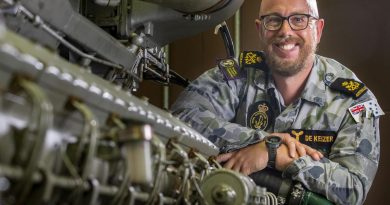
245,171
229,164
313,153
291,148
284,139
316,156
301,150
321,155
224,157
237,167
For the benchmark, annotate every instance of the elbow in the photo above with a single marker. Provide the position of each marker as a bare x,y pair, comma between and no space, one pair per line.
353,195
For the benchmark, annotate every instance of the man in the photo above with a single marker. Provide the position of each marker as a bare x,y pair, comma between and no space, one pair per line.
315,106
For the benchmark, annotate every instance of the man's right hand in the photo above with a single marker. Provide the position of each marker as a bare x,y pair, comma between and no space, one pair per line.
255,157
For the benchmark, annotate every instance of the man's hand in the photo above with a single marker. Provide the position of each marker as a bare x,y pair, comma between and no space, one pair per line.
255,157
295,147
283,158
247,160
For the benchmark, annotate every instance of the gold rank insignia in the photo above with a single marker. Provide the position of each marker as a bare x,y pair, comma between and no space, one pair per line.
260,116
349,87
251,59
230,69
297,134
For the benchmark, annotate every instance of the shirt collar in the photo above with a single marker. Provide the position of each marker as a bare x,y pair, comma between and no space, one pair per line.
314,90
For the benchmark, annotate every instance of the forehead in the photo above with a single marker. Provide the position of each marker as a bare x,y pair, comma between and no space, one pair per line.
283,7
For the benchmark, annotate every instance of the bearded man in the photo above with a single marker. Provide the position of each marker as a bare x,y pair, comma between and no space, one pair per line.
289,109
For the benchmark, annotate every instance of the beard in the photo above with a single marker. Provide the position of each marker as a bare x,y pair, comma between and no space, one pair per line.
285,67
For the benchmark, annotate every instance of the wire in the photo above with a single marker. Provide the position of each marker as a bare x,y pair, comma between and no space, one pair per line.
271,199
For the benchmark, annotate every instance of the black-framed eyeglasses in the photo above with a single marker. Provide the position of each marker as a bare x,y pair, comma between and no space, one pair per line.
297,22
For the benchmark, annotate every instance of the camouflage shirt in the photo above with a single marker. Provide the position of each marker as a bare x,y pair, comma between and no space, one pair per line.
335,114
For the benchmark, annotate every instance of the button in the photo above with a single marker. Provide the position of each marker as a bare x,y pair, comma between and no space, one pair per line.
328,78
317,100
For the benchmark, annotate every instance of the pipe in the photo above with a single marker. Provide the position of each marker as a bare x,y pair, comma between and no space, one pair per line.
192,6
166,87
237,32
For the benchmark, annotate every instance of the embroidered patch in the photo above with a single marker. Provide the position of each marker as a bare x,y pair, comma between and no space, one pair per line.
365,110
260,116
251,59
349,87
317,139
230,69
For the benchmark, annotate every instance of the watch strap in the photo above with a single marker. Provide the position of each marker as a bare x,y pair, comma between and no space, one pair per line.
271,157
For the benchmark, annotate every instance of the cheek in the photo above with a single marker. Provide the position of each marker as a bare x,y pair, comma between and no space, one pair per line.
313,33
266,38
309,37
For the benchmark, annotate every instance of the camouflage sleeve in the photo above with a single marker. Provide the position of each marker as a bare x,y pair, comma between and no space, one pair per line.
209,105
346,177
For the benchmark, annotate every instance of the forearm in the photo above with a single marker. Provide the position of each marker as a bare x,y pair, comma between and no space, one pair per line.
209,105
338,183
226,135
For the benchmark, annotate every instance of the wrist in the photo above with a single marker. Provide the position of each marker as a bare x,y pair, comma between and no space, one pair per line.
287,162
293,168
264,154
272,144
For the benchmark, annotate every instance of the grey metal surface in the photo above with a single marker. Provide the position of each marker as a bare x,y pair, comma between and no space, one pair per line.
60,15
65,79
190,6
168,25
96,179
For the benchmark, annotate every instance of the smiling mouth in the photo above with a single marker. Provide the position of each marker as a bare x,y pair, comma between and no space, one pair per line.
286,46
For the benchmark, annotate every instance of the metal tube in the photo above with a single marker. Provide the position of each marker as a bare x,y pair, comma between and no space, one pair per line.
136,149
237,33
192,6
68,183
166,87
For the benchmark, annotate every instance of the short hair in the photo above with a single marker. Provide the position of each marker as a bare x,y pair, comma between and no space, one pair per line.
313,8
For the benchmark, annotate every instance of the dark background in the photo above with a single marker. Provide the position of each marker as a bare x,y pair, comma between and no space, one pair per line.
357,34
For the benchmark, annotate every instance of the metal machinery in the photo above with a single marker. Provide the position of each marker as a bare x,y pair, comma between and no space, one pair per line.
71,132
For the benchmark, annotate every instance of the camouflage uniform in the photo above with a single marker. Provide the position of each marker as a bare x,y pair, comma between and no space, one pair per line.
235,112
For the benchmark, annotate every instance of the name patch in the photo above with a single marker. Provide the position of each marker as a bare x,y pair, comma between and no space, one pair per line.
317,139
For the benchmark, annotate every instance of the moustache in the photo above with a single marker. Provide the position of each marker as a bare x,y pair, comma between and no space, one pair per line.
286,39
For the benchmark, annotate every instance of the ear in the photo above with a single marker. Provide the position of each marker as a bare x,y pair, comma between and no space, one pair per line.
258,24
320,26
259,27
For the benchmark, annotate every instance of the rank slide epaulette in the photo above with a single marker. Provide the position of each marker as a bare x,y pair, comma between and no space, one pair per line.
229,68
349,87
251,59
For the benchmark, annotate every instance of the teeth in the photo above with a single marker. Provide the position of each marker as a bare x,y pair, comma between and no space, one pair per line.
287,46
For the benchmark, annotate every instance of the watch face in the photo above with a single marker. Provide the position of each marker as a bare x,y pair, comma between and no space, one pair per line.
274,139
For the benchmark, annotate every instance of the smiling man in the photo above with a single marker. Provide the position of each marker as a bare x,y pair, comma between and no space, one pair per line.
288,109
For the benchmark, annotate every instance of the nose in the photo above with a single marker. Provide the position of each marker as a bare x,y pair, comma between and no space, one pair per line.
285,28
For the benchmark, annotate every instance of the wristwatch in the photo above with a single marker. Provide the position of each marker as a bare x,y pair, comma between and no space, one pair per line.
272,143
